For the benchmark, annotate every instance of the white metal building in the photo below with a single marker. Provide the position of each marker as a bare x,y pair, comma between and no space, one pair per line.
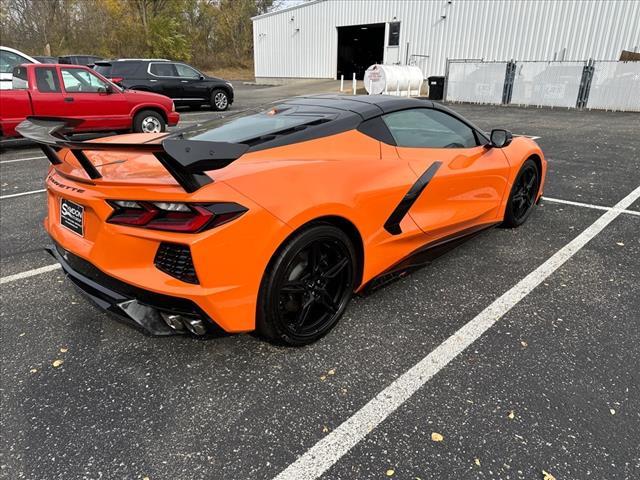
327,38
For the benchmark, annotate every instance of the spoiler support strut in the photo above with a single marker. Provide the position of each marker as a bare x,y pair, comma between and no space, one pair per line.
89,167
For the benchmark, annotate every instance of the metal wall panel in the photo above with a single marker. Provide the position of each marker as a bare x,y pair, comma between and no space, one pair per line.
301,42
615,86
476,82
549,84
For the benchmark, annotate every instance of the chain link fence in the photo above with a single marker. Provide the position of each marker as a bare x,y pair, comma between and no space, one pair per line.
608,85
615,86
476,82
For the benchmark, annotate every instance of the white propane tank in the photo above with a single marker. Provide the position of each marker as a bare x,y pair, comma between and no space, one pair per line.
393,79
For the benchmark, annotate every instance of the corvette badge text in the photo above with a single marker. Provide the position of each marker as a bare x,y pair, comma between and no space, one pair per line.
62,185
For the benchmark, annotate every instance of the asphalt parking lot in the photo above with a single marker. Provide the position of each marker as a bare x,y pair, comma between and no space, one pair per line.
552,384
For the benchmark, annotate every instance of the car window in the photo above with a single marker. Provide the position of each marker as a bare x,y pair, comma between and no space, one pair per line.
104,70
77,80
19,80
47,80
163,69
8,60
186,72
428,128
249,125
124,69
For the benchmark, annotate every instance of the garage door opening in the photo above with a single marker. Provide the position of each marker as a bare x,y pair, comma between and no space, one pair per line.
359,46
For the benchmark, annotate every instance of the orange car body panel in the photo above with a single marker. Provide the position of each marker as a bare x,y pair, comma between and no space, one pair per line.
348,175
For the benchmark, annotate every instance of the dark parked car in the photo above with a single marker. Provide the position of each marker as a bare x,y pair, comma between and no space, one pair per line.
46,59
88,60
179,81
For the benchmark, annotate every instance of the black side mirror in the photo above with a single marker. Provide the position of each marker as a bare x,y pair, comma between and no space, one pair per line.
500,137
201,77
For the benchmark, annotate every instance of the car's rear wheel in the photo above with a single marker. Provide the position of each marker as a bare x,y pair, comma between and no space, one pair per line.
219,100
148,121
307,286
523,195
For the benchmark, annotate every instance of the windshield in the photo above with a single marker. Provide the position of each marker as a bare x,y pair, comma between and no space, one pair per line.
251,124
9,60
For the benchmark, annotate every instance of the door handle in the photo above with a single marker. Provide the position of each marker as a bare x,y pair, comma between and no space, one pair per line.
184,81
68,99
152,80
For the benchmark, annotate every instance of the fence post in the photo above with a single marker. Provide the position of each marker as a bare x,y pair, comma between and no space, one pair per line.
446,82
585,84
509,78
354,83
341,83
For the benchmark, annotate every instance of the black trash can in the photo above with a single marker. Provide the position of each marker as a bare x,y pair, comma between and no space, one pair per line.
436,88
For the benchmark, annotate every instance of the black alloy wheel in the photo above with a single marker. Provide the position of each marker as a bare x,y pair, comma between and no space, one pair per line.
523,195
307,287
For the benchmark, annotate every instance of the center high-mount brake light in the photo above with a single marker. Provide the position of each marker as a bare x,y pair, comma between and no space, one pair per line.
173,216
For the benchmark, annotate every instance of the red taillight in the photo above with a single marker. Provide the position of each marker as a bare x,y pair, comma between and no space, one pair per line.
173,216
116,79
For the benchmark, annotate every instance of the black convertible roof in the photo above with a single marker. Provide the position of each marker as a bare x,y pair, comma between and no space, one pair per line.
366,106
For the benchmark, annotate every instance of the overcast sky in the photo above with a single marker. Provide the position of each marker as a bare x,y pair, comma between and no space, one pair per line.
288,3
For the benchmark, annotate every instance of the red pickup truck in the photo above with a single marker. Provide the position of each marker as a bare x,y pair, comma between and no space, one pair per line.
75,91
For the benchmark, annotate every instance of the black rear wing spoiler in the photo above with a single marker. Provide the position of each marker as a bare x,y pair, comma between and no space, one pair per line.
185,160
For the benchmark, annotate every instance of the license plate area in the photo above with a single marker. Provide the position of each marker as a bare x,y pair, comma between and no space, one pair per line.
72,216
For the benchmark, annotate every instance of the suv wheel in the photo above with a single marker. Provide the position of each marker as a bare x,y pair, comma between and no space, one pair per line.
219,100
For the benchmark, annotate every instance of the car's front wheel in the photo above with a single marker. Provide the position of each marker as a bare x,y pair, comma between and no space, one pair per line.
148,121
219,100
523,195
307,286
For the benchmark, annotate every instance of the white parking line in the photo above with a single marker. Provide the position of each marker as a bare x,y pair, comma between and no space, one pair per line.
29,273
587,205
319,458
21,159
13,195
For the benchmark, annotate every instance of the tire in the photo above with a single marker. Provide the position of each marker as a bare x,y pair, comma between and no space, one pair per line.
307,286
219,100
149,121
522,197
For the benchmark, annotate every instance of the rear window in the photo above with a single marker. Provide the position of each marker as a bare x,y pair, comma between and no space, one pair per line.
47,80
19,80
254,126
104,69
117,69
124,69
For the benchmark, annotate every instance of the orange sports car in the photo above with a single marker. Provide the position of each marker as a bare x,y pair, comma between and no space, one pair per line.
270,220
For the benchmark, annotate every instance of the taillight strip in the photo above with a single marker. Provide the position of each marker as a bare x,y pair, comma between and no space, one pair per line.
149,214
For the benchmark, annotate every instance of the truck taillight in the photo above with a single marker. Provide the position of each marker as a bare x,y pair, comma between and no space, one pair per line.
173,216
